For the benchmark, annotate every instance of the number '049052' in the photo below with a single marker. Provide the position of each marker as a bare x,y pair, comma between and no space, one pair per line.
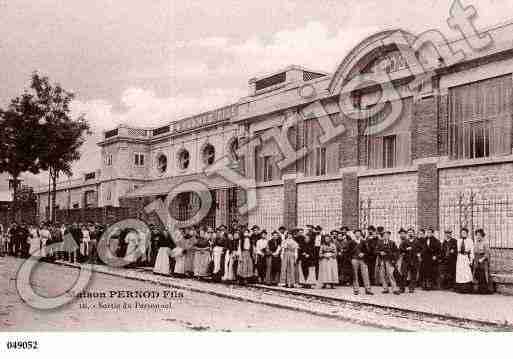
22,345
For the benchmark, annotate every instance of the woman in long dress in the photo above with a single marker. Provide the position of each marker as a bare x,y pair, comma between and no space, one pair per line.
245,267
229,258
132,241
46,239
273,260
482,264
162,264
289,256
202,257
218,255
328,267
34,241
464,278
189,242
306,266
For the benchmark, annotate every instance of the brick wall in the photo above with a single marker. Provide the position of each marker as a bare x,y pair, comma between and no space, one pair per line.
348,142
425,128
269,211
320,203
350,195
427,196
289,203
443,124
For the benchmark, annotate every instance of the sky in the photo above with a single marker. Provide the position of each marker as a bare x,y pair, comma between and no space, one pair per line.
145,63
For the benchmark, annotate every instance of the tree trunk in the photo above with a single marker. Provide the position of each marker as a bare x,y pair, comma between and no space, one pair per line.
15,196
55,176
49,212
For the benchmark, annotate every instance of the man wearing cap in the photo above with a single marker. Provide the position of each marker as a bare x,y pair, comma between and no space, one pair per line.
387,252
359,265
408,260
448,256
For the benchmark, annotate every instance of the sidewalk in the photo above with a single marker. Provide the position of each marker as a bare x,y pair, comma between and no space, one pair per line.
495,308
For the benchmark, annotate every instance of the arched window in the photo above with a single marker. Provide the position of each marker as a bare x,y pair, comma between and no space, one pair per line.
183,159
209,154
162,163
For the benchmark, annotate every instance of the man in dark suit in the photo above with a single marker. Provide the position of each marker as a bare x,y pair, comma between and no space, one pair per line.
430,256
372,242
448,256
409,262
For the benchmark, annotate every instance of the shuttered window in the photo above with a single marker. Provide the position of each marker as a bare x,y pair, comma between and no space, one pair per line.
480,118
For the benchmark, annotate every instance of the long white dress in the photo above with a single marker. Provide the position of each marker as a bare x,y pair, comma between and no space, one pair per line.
45,237
162,265
463,262
132,252
35,243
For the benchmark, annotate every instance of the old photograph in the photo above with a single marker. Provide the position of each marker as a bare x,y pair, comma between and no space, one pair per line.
271,166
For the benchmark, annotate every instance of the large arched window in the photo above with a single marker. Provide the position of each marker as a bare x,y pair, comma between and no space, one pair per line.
183,159
161,164
209,154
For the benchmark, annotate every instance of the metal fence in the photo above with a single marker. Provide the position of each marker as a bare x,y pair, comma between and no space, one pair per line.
327,218
493,213
391,215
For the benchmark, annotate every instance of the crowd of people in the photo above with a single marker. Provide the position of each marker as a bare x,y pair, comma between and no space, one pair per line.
307,257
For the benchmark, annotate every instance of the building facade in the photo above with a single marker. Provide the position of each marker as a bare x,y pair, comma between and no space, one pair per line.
445,161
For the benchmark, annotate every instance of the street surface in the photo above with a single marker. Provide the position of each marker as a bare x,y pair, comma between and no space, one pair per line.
188,310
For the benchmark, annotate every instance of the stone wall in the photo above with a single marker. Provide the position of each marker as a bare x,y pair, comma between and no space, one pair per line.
320,203
269,211
388,200
480,197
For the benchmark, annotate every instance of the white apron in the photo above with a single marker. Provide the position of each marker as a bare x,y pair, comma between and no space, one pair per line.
463,269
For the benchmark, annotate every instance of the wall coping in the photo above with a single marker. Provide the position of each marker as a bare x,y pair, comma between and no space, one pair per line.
327,178
447,163
386,171
274,183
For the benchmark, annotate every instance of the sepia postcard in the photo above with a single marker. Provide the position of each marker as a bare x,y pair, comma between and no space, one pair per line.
270,166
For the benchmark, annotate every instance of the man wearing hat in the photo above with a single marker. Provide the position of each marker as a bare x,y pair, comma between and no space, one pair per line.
408,263
448,256
372,242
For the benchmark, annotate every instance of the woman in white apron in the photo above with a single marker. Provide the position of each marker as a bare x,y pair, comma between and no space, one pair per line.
464,278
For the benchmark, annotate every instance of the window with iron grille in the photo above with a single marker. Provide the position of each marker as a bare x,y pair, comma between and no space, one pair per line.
320,161
480,119
268,168
270,81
